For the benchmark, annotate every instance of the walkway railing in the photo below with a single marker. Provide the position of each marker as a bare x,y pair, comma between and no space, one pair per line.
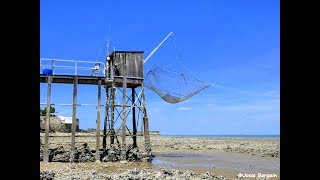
72,67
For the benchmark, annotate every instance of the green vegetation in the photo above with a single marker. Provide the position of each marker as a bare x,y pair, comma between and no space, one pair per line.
44,111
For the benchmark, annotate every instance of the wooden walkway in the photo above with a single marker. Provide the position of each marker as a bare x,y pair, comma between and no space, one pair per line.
92,80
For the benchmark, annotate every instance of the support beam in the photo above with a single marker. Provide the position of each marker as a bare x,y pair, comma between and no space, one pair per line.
104,139
123,149
47,121
74,118
112,98
146,134
146,125
97,155
134,123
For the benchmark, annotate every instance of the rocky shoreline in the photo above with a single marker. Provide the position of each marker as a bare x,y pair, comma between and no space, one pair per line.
264,147
134,174
85,154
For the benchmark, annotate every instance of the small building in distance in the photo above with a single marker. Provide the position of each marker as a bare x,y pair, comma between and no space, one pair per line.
67,121
58,123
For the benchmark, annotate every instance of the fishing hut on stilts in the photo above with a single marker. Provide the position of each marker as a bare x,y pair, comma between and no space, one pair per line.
122,72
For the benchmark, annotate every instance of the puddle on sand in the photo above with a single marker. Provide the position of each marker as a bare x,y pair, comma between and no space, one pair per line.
161,162
227,164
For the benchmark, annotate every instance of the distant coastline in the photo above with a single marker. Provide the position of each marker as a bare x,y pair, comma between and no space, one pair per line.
225,136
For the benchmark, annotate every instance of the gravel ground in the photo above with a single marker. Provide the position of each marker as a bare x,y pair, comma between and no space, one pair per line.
135,174
264,147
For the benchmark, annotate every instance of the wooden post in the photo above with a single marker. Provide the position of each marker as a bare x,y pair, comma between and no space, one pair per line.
146,125
74,118
112,105
124,104
97,155
134,124
106,118
47,122
112,131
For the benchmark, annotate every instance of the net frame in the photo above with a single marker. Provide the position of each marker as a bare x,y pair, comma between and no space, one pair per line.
170,96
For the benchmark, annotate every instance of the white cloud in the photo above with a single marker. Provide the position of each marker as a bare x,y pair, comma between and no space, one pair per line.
183,108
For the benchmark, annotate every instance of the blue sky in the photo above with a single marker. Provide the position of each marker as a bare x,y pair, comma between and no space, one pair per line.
235,45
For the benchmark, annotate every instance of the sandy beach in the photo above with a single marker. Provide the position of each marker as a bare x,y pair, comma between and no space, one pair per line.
177,158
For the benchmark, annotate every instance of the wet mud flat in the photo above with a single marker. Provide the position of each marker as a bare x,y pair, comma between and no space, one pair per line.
227,164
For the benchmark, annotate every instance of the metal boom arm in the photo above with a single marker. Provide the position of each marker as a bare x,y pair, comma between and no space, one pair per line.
155,49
